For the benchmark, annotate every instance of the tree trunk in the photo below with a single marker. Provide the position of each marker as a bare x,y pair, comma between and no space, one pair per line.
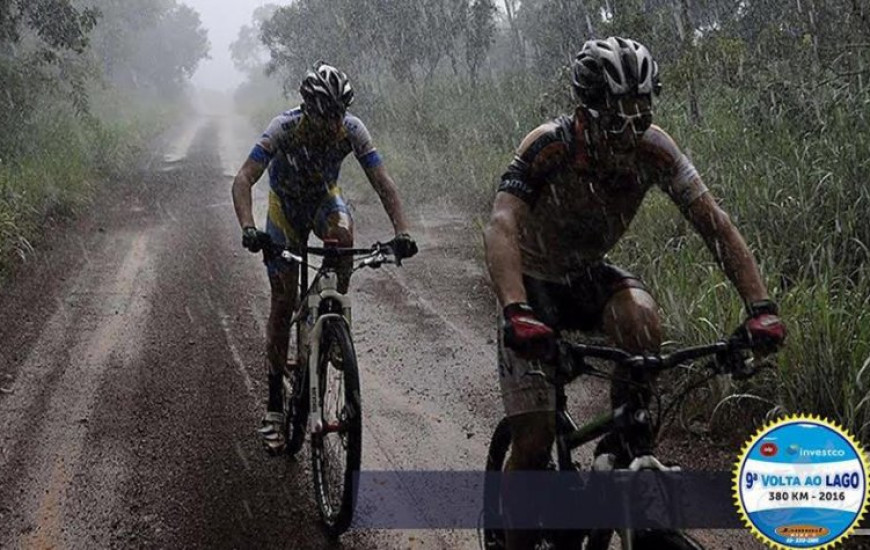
515,33
858,10
589,26
691,53
454,64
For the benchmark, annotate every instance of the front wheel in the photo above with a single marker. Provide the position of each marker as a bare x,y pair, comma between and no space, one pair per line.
337,449
496,459
493,510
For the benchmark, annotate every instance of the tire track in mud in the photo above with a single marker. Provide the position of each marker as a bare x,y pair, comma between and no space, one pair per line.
105,319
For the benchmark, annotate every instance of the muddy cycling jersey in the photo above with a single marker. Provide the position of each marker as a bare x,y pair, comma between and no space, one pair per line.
579,211
303,167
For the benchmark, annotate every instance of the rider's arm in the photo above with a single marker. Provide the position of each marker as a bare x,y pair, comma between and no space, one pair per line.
501,239
728,247
539,154
389,195
683,184
250,172
248,175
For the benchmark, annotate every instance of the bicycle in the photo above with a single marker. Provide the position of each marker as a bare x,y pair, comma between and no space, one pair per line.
623,423
330,413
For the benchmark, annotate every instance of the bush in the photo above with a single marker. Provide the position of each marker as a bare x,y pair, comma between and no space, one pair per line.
67,157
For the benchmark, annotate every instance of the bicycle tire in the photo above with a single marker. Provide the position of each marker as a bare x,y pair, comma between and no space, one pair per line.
336,505
295,409
494,539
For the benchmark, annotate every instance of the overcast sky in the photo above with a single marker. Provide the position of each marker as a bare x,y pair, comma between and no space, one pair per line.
222,19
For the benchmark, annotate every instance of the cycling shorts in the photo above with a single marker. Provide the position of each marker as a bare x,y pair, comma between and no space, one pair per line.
576,304
290,224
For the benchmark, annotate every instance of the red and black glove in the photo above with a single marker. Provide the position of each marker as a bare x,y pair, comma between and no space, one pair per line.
527,335
764,329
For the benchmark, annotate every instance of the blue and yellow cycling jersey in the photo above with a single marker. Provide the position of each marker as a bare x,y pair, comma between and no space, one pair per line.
304,167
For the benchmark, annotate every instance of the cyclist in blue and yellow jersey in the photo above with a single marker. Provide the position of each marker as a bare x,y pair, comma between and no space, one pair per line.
564,202
304,149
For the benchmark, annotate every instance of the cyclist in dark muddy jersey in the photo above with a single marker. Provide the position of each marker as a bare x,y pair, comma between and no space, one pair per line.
304,149
567,198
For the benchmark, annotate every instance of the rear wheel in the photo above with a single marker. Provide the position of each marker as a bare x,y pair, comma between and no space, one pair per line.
296,393
295,407
336,451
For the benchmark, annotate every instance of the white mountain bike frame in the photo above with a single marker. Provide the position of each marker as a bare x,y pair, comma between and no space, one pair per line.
324,287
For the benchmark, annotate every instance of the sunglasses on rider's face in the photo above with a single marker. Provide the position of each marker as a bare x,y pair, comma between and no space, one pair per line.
324,113
614,122
328,117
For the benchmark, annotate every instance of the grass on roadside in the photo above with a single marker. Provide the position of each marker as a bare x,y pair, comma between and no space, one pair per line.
65,160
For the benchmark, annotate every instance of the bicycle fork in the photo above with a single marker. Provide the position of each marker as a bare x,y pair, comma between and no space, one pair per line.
645,462
315,331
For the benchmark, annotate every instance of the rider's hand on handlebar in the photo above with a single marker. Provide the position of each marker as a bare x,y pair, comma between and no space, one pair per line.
253,239
764,329
403,246
527,335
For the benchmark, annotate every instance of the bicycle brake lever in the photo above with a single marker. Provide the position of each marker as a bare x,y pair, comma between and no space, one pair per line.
386,249
290,257
747,370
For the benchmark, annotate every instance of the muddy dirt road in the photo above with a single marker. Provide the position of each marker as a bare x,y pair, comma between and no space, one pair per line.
132,378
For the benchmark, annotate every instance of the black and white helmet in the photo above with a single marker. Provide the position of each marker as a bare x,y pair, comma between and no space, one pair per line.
326,90
617,66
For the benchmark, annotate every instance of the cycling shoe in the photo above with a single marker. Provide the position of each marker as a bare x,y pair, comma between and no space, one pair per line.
272,432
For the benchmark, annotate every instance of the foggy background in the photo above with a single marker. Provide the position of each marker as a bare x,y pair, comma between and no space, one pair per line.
222,20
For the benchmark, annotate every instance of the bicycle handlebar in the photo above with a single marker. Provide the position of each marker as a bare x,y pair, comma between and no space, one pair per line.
378,254
729,359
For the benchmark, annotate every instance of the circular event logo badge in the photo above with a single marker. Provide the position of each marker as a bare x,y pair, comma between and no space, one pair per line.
801,482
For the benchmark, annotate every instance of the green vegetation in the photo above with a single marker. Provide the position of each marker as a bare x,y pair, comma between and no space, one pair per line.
84,90
71,156
769,101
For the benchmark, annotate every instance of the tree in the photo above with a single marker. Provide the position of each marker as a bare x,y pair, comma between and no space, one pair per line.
248,52
480,34
170,51
57,23
40,40
510,7
156,46
406,38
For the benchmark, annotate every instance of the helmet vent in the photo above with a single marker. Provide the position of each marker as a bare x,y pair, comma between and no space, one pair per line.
613,73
